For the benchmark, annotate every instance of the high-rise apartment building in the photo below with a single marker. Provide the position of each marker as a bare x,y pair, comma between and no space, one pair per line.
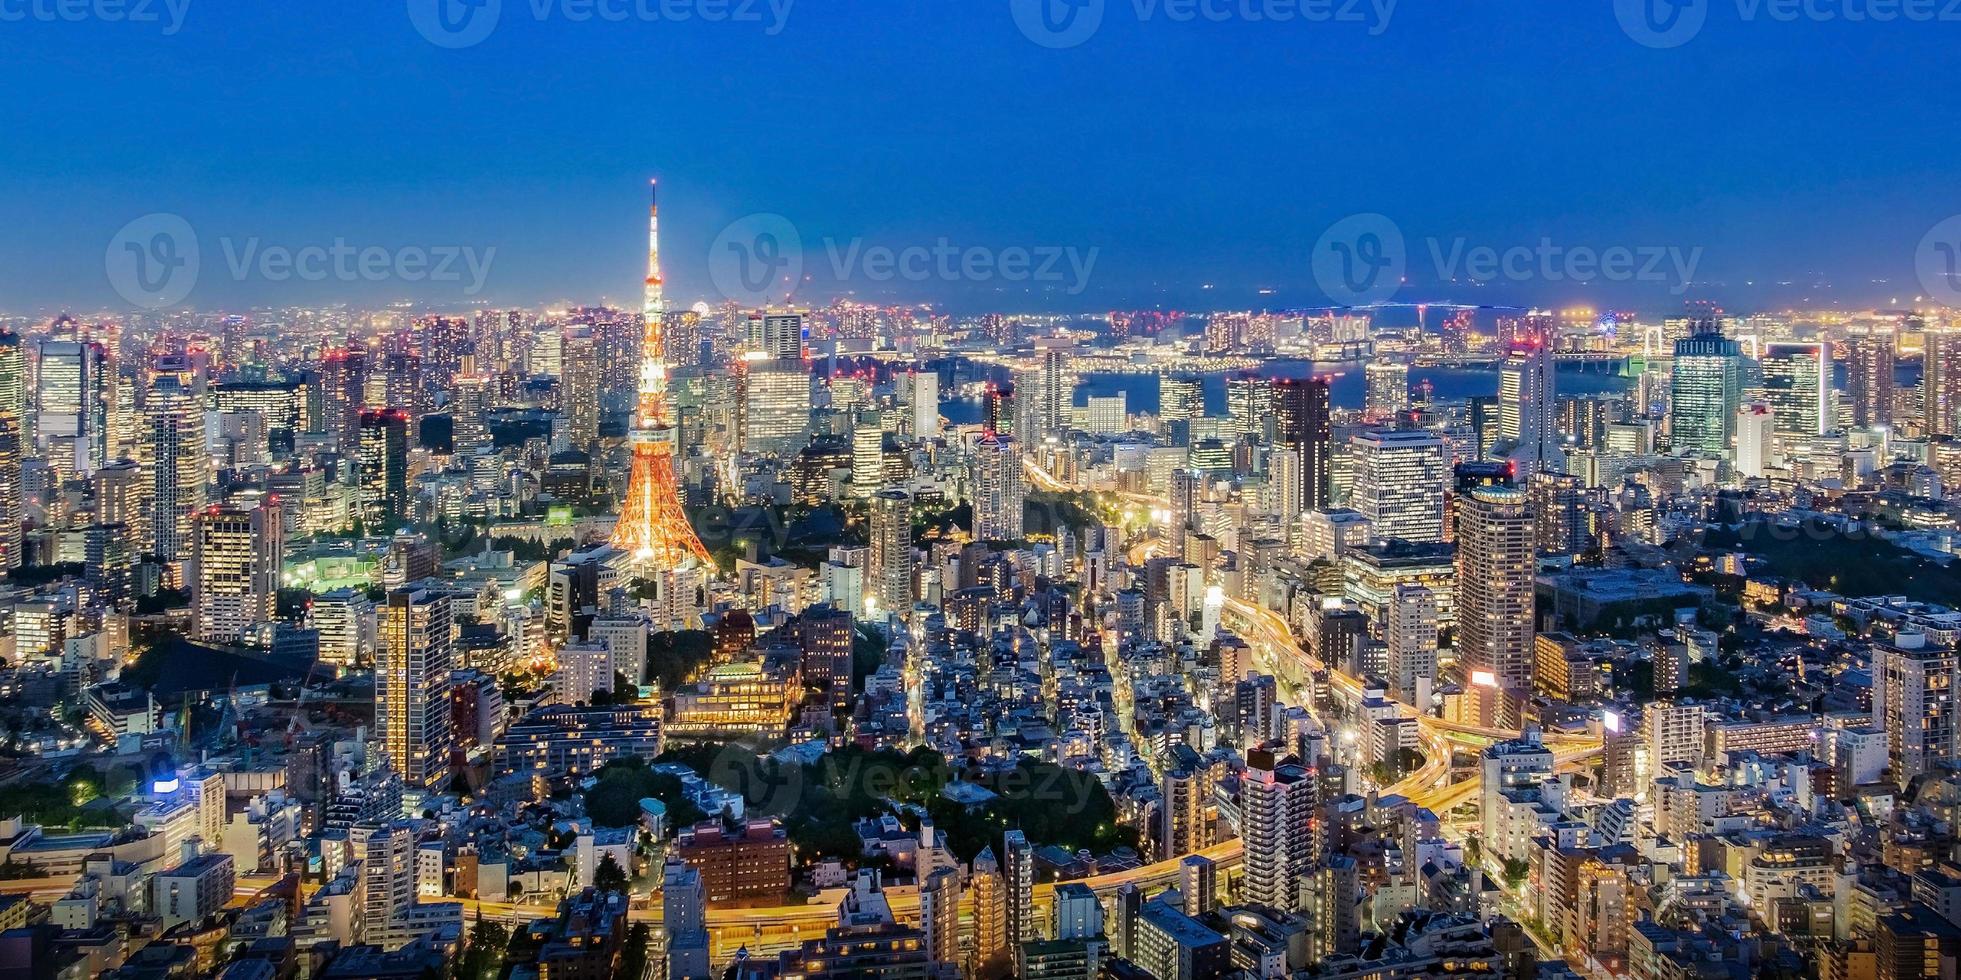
1527,399
1797,384
890,573
178,465
1412,640
1913,702
998,489
1495,593
579,389
412,669
1278,802
1871,349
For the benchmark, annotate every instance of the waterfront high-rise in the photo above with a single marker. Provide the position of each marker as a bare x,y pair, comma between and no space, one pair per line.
1301,413
412,666
1705,390
1387,392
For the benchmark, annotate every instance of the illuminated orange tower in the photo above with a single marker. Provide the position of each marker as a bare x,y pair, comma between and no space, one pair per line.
653,528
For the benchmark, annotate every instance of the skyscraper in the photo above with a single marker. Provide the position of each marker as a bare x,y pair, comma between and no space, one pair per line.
384,468
1387,392
1301,414
777,336
1705,390
1399,483
1495,592
890,574
998,489
412,685
1940,383
177,465
239,552
1053,396
1797,384
1412,641
13,435
578,389
1870,351
1527,393
775,407
925,403
939,915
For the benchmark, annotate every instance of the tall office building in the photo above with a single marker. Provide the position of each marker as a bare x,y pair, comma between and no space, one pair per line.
178,465
578,389
1870,352
412,669
776,407
1527,399
1181,397
1495,592
998,489
1797,384
777,336
1302,422
239,551
867,452
384,468
1399,483
1940,383
1705,390
1913,702
998,412
1278,801
73,392
1412,641
890,558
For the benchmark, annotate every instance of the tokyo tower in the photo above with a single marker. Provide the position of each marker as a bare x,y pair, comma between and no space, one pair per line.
653,528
